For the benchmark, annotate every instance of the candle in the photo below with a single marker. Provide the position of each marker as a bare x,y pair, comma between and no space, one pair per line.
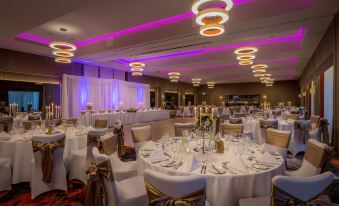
52,110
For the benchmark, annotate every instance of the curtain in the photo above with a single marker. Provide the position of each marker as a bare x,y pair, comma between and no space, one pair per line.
22,99
328,98
103,93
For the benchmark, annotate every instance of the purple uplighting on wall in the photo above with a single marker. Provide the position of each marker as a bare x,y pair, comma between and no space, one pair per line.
298,36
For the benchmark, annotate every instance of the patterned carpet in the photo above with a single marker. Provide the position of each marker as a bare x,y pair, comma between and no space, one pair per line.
20,195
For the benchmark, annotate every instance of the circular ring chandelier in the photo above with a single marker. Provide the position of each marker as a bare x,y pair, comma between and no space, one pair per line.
136,74
137,68
246,50
265,78
137,64
210,85
62,53
245,62
258,75
212,16
174,80
259,70
259,66
58,45
246,57
63,60
174,76
212,29
199,3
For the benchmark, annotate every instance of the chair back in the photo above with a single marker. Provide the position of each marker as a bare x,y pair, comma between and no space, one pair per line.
291,116
110,189
301,131
268,124
299,190
315,153
6,124
235,120
239,115
179,127
93,140
109,145
100,123
29,124
235,128
163,188
315,121
277,141
140,136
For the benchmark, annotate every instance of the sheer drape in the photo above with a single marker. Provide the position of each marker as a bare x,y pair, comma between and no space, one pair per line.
103,93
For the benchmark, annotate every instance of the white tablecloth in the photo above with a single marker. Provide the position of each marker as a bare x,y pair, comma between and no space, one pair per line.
19,150
125,117
224,189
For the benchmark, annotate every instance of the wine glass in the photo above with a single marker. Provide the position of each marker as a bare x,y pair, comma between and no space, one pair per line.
213,149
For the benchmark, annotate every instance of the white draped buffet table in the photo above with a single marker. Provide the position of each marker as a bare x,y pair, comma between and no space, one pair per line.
222,189
126,117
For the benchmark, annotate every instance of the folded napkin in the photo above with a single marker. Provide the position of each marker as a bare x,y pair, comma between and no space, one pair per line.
266,158
157,156
190,164
4,136
238,166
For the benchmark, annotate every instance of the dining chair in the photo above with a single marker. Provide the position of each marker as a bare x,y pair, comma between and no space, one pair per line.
80,159
264,125
300,136
277,141
294,191
179,127
314,121
28,125
291,116
235,120
5,174
48,170
128,192
6,124
121,170
313,161
162,189
100,123
235,128
140,136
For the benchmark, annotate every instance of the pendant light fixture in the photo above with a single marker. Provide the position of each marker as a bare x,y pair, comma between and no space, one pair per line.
174,76
137,68
63,51
211,17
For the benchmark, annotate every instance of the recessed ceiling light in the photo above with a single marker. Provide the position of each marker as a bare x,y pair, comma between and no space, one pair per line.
246,50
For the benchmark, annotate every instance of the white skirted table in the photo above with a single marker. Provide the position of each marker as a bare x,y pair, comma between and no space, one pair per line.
126,117
19,150
224,189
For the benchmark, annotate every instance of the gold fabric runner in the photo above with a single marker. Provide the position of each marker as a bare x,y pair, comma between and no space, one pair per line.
157,198
47,156
95,194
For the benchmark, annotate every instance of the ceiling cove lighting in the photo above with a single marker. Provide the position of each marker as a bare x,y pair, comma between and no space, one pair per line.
174,76
211,16
137,68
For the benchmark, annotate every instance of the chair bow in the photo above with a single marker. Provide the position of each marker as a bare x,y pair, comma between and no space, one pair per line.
95,194
304,130
119,134
157,198
47,156
94,140
323,125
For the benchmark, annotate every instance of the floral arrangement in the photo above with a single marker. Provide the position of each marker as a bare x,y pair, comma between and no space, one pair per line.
89,106
131,110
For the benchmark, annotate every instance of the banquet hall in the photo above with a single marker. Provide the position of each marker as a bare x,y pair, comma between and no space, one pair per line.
169,103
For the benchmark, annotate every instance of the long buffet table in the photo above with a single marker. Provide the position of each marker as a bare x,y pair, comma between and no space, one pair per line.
125,117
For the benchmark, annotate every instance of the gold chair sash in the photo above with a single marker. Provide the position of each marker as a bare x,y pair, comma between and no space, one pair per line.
119,137
109,146
280,197
94,140
96,193
157,198
47,156
323,125
304,130
278,139
315,155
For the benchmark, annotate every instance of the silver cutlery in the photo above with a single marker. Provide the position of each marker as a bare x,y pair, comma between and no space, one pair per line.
178,165
158,161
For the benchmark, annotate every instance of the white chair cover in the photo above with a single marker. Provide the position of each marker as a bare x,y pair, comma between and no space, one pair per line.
175,186
140,136
5,174
82,158
58,181
297,143
128,192
277,141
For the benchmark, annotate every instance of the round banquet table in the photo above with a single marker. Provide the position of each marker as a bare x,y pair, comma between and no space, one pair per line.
19,150
221,189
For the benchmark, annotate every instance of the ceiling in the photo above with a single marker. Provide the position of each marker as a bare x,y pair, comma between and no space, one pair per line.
164,35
